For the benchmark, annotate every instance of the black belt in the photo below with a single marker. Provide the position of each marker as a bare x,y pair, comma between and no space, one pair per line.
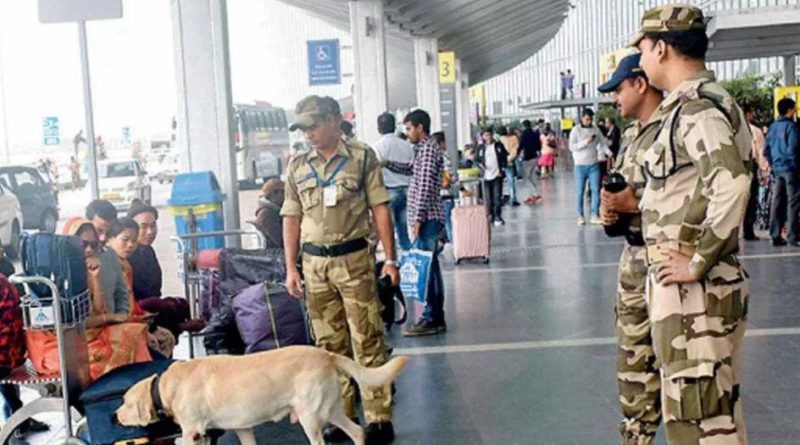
337,250
398,187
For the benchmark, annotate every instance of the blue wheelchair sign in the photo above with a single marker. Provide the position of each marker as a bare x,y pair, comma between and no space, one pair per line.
323,62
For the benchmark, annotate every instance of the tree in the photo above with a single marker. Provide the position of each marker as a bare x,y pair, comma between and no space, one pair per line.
756,91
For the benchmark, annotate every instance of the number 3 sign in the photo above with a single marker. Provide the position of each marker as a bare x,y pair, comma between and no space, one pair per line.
447,67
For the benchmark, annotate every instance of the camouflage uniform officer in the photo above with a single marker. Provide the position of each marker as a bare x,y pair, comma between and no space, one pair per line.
329,194
639,382
697,191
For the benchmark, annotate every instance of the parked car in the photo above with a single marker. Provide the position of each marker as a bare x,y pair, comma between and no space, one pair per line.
122,181
163,167
35,194
11,222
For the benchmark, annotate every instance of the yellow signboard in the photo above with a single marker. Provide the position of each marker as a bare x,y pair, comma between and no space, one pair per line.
447,67
567,124
792,92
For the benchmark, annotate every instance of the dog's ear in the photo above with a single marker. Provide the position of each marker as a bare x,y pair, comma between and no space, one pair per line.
138,409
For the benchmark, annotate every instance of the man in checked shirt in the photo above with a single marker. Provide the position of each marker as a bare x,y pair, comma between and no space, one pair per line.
425,214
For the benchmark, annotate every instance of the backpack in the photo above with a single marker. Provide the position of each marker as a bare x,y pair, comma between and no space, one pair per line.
58,258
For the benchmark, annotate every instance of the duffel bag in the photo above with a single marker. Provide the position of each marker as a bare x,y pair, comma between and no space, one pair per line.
269,318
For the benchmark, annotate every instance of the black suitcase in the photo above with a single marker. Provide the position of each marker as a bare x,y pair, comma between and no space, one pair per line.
103,397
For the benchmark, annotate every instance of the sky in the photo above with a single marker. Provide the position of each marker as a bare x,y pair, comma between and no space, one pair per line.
132,67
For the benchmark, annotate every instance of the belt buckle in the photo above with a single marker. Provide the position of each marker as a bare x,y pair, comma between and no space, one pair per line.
325,251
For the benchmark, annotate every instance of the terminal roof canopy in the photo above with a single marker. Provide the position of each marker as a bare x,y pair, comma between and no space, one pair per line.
489,36
754,33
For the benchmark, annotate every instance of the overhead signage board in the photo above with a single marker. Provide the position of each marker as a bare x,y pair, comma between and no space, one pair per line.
51,134
323,62
61,11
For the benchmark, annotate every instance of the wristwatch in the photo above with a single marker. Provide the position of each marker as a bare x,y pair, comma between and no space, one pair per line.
390,263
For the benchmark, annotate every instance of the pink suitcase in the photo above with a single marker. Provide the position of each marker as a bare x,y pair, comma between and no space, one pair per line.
471,232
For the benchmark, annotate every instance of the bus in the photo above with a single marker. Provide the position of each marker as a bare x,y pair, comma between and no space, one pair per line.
261,138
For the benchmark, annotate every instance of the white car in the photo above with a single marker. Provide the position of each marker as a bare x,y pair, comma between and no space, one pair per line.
10,222
163,168
122,181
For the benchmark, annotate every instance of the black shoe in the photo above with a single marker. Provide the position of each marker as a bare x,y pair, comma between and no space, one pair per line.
751,237
515,203
778,242
379,433
335,434
424,327
31,426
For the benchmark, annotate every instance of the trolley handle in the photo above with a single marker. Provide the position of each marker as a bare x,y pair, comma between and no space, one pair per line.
181,240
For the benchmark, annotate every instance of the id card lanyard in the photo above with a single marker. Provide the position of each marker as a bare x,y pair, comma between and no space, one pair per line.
328,188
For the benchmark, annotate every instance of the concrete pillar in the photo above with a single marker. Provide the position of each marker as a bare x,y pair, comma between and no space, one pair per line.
204,133
371,92
789,70
426,53
462,106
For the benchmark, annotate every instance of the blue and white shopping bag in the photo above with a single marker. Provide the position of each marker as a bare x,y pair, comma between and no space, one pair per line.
415,270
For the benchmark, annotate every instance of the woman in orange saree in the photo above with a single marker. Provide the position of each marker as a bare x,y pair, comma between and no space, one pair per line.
113,339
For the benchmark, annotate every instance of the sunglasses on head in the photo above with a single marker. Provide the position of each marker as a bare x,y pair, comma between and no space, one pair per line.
90,244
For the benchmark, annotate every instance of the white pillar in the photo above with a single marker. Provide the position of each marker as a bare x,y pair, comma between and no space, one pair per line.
789,70
205,107
462,106
426,54
371,93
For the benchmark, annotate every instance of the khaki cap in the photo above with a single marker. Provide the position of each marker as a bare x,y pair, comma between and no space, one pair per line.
312,110
674,17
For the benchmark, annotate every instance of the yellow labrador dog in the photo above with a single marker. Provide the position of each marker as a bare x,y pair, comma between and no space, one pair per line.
240,392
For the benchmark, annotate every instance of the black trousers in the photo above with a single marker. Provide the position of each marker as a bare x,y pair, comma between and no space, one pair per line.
11,395
785,206
494,197
751,215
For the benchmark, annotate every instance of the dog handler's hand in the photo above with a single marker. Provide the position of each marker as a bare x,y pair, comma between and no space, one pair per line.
294,284
392,272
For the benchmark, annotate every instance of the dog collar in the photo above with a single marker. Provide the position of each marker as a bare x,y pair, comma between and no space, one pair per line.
158,404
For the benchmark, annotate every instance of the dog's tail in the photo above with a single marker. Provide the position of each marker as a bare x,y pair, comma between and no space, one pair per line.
383,375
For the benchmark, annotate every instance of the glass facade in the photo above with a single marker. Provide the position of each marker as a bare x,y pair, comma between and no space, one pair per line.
593,28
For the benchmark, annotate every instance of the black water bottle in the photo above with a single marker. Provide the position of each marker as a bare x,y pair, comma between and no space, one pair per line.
616,183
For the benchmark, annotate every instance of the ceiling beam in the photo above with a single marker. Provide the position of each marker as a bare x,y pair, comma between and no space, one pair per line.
469,18
483,40
499,27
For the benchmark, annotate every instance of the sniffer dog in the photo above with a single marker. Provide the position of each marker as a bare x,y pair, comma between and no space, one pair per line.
239,392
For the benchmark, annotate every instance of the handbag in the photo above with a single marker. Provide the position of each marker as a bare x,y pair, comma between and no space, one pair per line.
415,270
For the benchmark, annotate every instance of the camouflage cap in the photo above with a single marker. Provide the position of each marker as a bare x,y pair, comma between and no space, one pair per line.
314,109
674,17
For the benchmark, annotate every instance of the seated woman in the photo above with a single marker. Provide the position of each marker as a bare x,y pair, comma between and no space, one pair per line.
123,239
114,338
171,313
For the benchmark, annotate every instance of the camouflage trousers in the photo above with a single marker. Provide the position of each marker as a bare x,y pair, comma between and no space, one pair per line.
342,299
697,330
637,377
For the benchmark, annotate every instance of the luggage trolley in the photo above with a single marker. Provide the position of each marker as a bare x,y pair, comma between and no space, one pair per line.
188,270
65,317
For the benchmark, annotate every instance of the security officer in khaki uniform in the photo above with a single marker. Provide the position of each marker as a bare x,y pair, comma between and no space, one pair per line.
698,182
637,376
329,194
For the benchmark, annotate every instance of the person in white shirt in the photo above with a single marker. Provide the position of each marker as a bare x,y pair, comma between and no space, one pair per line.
492,158
583,143
393,149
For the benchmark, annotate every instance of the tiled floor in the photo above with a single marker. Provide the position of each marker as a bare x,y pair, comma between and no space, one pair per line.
529,355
